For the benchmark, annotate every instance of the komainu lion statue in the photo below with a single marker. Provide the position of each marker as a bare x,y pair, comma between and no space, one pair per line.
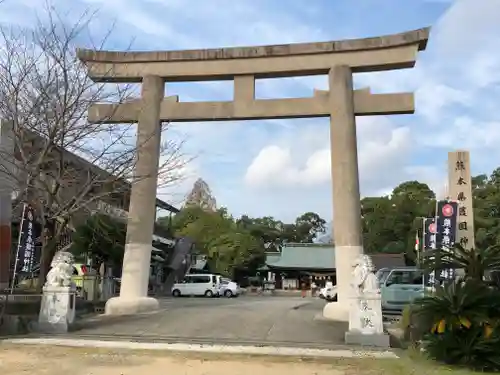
366,308
61,270
365,281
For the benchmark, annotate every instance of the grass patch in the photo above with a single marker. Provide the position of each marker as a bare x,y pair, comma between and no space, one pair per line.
409,364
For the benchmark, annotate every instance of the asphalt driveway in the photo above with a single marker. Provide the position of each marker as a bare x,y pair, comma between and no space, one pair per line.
265,320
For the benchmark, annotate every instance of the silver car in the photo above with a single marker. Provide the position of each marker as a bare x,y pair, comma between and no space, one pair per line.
228,288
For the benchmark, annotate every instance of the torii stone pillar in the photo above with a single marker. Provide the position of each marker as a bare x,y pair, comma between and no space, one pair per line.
136,261
245,65
347,227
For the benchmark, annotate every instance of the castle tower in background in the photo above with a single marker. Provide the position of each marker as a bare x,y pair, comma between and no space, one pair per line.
201,196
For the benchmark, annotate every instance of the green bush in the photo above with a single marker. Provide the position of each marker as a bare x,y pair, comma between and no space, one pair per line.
471,347
461,322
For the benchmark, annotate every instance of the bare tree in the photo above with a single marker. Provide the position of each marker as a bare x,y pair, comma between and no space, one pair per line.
65,166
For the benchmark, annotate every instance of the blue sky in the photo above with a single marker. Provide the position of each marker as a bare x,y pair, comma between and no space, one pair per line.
281,168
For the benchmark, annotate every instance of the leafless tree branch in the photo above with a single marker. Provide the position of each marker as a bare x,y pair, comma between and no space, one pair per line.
64,166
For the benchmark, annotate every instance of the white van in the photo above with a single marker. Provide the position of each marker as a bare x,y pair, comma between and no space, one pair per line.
197,285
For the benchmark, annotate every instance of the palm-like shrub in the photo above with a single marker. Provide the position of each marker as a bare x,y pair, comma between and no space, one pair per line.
457,305
462,324
467,347
461,320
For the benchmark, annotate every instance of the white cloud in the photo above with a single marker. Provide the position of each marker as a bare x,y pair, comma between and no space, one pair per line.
383,151
260,167
454,110
467,26
275,166
433,99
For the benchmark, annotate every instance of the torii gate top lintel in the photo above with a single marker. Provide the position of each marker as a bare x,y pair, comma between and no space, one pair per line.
396,51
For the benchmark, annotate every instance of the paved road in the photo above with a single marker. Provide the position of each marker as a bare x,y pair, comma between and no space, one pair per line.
244,320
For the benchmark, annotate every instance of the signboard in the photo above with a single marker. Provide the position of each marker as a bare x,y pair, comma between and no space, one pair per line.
460,189
112,211
446,224
446,230
429,243
26,247
429,233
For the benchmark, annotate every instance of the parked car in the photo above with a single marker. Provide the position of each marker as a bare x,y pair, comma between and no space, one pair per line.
229,288
400,286
207,285
329,292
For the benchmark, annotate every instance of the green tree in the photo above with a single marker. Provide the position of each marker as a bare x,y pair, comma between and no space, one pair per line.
267,230
289,234
486,195
102,238
308,226
201,226
378,230
414,190
390,223
232,250
186,216
229,244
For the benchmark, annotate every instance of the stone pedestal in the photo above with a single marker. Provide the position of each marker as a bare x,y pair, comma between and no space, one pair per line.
366,326
338,311
57,311
130,305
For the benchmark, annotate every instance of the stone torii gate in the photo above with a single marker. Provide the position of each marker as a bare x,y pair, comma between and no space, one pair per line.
338,59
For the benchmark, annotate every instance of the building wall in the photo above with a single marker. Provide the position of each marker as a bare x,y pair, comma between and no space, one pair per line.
78,177
6,187
112,195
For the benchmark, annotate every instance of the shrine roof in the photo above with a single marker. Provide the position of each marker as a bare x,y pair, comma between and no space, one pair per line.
322,257
303,256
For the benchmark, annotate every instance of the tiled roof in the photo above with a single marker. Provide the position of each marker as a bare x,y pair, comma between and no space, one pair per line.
309,256
303,257
272,257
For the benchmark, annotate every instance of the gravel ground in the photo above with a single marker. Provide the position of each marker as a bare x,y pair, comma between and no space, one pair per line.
17,360
51,360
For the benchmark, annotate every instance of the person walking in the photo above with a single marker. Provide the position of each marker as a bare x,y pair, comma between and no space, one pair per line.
303,291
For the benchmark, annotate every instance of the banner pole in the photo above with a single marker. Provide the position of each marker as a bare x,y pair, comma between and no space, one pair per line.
437,254
423,240
14,272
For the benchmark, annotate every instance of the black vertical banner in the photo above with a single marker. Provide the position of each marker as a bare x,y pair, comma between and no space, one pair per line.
26,246
429,233
429,244
446,230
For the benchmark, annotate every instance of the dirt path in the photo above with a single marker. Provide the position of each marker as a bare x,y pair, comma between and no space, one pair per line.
53,360
17,360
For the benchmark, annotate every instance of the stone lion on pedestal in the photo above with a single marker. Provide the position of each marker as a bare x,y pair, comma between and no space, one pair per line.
366,309
364,279
61,270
